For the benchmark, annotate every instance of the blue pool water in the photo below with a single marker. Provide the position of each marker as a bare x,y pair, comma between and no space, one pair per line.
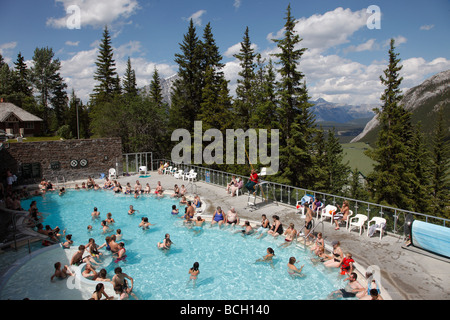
227,260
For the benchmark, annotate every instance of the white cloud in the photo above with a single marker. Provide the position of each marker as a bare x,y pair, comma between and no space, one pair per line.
427,27
96,13
398,41
72,43
237,4
5,49
323,31
78,71
369,45
196,17
235,49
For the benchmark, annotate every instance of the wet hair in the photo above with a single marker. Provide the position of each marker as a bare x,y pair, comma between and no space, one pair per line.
271,250
119,231
292,260
98,287
102,273
118,270
195,266
57,265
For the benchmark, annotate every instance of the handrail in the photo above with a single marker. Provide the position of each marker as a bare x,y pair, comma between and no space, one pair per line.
311,232
289,195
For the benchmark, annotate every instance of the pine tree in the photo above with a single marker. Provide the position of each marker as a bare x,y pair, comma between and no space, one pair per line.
420,165
321,179
390,180
129,81
187,91
48,83
338,171
440,166
156,96
106,70
295,116
22,82
244,103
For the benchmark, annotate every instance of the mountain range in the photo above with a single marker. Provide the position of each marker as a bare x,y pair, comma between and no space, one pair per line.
423,101
323,110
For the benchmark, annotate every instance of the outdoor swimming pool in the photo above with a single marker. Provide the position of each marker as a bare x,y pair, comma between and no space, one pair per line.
227,260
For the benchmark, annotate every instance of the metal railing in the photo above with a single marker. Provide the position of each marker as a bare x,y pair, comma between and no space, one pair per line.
133,161
289,195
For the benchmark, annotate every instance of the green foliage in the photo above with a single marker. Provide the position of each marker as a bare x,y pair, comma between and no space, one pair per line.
105,74
390,180
294,114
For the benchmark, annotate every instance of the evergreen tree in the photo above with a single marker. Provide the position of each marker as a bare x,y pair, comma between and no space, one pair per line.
211,58
156,96
48,83
440,165
6,83
59,101
244,103
390,180
337,170
22,82
420,165
321,179
106,70
295,116
129,80
187,91
357,189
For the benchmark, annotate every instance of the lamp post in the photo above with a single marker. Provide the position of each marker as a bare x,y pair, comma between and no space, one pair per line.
77,100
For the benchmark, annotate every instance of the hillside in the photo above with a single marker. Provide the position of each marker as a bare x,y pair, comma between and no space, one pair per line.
423,101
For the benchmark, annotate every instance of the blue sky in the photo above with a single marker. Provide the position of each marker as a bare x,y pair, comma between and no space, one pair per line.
342,64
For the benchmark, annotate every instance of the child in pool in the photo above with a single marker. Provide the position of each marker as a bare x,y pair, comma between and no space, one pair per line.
268,257
174,210
194,272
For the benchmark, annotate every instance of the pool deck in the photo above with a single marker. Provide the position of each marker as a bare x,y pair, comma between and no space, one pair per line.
406,274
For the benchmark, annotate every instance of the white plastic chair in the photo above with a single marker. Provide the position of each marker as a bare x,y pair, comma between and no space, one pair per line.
186,174
328,212
179,174
380,222
192,176
357,221
143,169
300,209
112,173
168,170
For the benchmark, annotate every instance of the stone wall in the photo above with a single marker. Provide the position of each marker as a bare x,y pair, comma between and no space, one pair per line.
71,159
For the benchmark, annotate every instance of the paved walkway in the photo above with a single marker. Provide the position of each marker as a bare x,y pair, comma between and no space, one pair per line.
406,274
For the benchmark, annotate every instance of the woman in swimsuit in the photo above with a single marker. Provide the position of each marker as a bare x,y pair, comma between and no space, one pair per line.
277,227
218,217
268,257
290,235
99,292
121,253
265,225
342,215
337,256
293,271
194,272
166,243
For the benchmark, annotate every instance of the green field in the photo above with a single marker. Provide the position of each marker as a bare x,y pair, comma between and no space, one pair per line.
354,154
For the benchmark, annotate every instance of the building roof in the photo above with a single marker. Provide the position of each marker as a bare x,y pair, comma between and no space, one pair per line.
7,109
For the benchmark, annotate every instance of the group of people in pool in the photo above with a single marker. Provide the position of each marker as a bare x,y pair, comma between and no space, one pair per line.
231,218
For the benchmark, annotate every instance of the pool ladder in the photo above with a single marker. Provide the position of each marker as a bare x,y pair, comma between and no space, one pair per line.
312,230
63,182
